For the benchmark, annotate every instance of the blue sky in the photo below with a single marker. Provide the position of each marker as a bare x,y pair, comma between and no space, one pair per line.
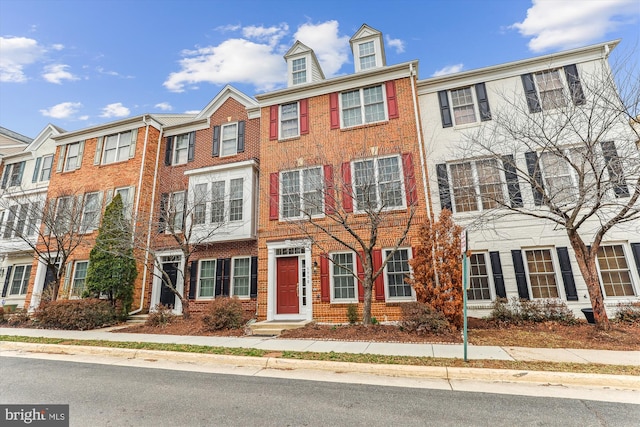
81,63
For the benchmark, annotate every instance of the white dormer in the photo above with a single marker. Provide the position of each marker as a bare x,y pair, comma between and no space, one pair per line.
368,49
302,65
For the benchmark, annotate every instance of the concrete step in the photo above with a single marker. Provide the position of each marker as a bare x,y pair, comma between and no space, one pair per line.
137,319
273,328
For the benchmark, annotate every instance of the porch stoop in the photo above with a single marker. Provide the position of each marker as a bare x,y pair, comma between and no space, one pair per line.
275,327
137,319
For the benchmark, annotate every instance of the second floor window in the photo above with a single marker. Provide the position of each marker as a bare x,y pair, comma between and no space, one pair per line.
301,193
363,106
477,185
90,212
12,176
378,183
181,149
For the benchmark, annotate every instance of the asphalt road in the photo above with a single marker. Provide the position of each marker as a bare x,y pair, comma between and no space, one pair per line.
104,395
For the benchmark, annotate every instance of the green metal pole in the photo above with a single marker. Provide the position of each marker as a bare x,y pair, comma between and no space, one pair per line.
464,302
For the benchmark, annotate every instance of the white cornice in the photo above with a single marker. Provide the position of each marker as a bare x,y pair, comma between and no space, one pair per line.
100,130
221,168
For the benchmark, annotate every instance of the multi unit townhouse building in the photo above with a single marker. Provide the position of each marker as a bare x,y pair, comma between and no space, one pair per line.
274,199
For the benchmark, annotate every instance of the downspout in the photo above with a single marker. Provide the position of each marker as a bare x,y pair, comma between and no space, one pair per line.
425,181
153,199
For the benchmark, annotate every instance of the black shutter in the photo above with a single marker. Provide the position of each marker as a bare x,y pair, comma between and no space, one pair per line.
521,277
168,151
530,93
254,277
534,171
498,278
5,288
226,277
575,87
443,186
192,146
36,170
5,175
193,277
614,167
483,102
162,219
219,273
509,166
216,141
445,112
567,274
635,250
241,125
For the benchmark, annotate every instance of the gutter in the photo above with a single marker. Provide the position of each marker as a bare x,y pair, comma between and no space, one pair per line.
425,184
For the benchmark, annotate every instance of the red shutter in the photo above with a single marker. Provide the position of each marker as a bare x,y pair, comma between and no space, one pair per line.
273,196
409,179
304,116
325,291
329,194
379,283
360,272
273,122
333,110
347,200
392,101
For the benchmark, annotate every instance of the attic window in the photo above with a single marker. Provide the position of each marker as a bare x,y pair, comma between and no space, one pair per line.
299,69
367,54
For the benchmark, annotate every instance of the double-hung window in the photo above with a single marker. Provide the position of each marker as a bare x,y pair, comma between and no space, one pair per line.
72,157
11,214
363,106
12,175
23,215
116,147
551,89
126,194
562,172
378,183
200,204
299,70
614,271
235,199
20,280
396,272
45,172
367,55
181,149
64,214
289,120
91,212
176,207
217,202
301,193
342,277
478,278
463,106
207,278
229,140
79,276
542,276
241,284
477,185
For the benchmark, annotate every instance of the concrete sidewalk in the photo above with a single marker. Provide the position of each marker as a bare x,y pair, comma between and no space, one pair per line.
356,347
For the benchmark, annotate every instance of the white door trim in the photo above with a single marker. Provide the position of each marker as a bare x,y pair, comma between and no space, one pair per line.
306,311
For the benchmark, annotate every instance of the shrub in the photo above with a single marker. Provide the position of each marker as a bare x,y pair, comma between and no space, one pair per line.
161,315
421,318
352,314
518,311
2,319
80,314
224,313
628,312
18,317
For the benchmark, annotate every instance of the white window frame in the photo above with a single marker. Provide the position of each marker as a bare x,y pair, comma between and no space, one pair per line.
569,172
24,285
362,107
236,197
120,145
175,213
299,71
178,153
66,227
217,200
376,172
74,279
386,276
377,53
46,168
632,278
301,193
127,202
563,83
354,277
233,278
222,140
556,272
477,185
15,179
35,217
490,284
474,105
87,228
281,130
200,278
200,202
68,157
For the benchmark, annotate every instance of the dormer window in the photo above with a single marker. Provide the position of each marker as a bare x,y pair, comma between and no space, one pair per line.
299,70
367,55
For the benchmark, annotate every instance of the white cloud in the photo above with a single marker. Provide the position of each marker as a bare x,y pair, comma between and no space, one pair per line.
331,49
564,24
115,110
164,106
64,110
56,73
15,54
397,44
270,35
449,69
57,46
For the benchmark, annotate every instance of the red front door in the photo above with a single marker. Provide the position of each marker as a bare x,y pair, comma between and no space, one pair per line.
287,286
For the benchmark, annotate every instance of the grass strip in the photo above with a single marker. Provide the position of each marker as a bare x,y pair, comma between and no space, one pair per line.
589,368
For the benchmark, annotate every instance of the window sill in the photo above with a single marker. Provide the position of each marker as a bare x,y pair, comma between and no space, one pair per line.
467,126
114,163
290,138
366,125
344,302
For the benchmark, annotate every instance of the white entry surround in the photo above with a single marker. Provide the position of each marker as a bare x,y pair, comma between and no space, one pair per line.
157,279
303,247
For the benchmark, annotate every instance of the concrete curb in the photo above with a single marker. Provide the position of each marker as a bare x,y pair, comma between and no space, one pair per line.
431,372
